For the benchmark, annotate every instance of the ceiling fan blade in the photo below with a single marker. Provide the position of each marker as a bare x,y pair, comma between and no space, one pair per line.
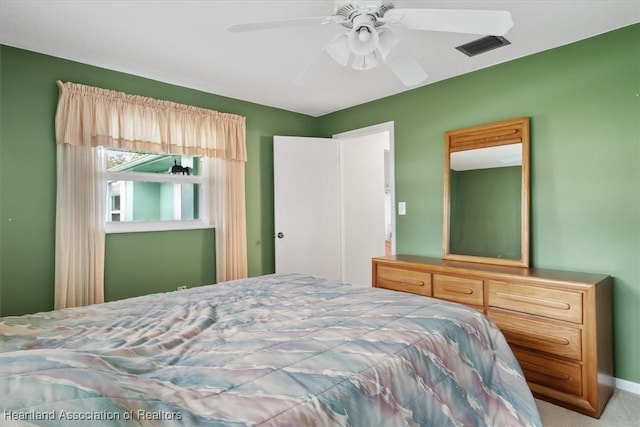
303,76
404,66
387,41
489,22
338,49
270,25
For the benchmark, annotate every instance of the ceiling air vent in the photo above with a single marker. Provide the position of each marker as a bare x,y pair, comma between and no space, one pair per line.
482,45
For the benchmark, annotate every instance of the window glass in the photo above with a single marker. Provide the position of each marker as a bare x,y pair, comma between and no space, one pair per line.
125,161
143,187
153,201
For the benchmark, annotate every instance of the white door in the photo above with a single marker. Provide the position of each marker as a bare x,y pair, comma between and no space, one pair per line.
307,206
362,161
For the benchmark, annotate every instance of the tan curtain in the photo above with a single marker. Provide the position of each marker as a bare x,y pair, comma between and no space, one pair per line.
80,213
228,207
92,117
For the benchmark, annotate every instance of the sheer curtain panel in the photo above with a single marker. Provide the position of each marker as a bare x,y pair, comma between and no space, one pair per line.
80,214
88,118
228,206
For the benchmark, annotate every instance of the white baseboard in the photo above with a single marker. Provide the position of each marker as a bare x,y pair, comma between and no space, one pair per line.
629,386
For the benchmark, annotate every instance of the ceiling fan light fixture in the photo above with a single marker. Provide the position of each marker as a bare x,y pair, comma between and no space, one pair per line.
360,47
363,34
363,37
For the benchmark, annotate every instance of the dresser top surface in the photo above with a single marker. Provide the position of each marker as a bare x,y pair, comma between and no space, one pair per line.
519,272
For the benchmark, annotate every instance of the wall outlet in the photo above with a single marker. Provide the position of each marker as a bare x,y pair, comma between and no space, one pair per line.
181,288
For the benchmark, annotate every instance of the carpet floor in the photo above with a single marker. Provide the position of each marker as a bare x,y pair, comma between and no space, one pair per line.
623,410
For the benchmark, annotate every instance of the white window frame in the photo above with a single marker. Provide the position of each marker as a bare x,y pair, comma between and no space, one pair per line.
204,217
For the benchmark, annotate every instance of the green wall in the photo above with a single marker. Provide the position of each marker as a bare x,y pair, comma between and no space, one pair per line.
145,263
136,263
585,171
584,104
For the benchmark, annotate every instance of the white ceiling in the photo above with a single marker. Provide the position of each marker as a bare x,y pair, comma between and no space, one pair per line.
186,43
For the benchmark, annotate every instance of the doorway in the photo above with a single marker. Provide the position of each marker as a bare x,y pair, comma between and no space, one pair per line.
334,203
367,187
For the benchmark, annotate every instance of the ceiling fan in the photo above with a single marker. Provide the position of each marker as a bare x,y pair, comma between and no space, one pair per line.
370,38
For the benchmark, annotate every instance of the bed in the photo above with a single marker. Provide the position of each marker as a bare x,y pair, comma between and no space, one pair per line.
275,350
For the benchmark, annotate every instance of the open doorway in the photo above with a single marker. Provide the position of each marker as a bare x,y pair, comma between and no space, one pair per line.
334,203
367,199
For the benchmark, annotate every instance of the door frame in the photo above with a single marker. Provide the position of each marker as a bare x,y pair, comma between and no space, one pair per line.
374,129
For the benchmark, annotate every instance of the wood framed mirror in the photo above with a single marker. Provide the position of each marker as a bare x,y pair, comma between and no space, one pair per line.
486,193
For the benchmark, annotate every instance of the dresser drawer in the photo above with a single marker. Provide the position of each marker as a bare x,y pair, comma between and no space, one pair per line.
398,279
458,289
551,303
552,373
539,335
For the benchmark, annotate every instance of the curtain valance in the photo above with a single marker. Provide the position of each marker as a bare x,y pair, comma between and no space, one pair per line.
92,116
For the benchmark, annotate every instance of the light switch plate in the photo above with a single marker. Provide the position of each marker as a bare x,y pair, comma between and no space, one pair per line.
402,208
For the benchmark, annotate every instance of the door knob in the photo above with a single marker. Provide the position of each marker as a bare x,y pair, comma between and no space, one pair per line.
280,235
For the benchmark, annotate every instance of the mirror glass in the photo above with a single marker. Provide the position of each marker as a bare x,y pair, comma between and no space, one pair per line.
486,194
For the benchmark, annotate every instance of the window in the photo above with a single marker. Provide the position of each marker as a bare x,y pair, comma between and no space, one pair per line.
155,192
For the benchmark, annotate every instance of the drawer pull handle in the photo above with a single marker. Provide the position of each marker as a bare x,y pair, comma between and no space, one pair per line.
405,280
466,291
538,301
545,371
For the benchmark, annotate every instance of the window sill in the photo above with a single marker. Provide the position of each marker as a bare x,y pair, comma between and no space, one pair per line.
143,226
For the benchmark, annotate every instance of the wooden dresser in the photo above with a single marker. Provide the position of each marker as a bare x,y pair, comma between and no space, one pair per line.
558,323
